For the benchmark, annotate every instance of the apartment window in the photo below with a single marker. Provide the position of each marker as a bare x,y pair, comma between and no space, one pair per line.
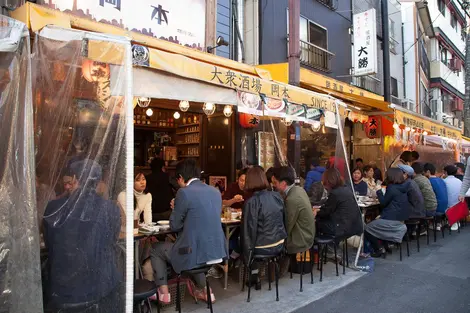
443,52
318,36
453,21
391,31
442,7
394,86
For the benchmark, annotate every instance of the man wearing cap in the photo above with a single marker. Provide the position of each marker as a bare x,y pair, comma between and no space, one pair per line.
81,232
415,197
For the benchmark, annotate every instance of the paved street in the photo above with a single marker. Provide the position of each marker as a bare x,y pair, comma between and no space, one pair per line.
434,280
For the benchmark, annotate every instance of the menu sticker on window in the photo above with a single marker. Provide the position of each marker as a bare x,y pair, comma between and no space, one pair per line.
313,115
249,103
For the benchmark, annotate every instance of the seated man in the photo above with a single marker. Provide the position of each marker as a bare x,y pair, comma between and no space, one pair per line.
430,201
196,219
299,219
81,233
234,196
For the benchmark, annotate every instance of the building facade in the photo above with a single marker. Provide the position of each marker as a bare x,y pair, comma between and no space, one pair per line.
447,55
324,35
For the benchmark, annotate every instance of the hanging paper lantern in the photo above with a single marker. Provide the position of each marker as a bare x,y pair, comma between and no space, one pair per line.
94,71
248,120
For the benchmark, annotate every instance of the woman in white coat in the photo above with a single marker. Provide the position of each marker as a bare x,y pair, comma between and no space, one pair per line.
142,200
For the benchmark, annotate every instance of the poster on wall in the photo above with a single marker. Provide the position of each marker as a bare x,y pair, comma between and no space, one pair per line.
178,21
365,43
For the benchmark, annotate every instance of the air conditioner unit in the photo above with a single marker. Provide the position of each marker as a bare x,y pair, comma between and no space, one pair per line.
455,64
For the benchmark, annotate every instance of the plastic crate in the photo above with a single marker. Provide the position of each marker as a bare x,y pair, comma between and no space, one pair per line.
172,290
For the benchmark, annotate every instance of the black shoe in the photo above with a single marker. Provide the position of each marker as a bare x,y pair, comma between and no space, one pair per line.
381,253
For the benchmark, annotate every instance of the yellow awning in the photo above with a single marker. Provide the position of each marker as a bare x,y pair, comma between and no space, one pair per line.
179,60
315,81
412,120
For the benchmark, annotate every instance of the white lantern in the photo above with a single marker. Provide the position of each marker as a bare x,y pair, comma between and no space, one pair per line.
228,110
143,102
316,125
149,112
287,121
209,108
176,115
184,105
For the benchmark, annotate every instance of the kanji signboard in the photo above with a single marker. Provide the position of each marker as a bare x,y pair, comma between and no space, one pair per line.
365,43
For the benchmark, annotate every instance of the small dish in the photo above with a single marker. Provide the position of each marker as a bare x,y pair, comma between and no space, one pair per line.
163,222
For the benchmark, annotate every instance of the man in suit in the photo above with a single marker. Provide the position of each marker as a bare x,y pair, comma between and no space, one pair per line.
299,219
196,218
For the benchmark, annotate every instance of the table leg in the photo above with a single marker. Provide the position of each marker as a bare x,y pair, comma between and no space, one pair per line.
227,239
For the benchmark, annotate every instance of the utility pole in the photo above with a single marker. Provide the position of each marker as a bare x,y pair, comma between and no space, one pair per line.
386,51
465,5
293,154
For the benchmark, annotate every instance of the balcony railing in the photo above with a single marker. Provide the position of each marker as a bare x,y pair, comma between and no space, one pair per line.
424,60
368,83
315,57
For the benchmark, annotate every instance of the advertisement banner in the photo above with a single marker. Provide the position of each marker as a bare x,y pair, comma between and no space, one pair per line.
296,112
178,21
365,43
274,107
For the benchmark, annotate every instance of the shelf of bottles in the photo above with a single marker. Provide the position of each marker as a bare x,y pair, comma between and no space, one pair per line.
188,136
159,118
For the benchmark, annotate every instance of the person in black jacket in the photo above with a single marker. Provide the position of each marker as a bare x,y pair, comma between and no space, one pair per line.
262,228
340,215
396,209
158,185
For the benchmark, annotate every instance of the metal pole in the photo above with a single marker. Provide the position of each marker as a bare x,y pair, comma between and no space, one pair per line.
466,107
294,79
386,50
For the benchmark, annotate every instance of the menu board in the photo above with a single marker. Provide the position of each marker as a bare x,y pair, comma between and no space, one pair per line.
249,103
266,150
296,112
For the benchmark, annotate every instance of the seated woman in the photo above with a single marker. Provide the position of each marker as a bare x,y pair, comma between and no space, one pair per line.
396,209
142,200
340,216
360,186
234,196
262,228
369,178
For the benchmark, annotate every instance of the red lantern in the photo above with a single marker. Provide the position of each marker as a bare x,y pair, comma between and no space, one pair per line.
372,127
93,71
248,120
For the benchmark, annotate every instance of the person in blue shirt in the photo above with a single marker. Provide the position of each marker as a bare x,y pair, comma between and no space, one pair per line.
439,187
360,186
314,175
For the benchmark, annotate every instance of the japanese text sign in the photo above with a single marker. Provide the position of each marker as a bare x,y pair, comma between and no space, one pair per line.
178,21
365,43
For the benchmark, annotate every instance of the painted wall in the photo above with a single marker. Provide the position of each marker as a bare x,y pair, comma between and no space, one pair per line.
274,32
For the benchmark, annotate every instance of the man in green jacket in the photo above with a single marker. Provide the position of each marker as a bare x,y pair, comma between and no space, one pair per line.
299,219
430,200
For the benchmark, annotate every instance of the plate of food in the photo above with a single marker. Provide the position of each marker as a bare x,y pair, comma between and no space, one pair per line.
274,105
163,222
250,100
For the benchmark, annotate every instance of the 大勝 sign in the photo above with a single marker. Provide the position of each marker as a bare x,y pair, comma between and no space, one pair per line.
365,43
178,21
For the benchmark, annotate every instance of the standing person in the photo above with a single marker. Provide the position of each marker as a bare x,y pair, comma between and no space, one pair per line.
465,183
396,209
262,228
196,219
340,216
142,200
81,233
234,196
415,197
430,201
460,170
360,163
158,185
360,186
439,187
300,222
314,175
405,158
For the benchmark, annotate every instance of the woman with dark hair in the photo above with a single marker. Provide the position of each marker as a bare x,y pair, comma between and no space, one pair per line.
340,215
396,209
142,200
262,228
360,186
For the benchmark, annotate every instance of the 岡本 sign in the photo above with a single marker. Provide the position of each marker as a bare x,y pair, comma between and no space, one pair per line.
365,43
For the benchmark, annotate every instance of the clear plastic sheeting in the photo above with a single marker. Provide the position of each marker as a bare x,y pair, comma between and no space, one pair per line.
20,278
80,127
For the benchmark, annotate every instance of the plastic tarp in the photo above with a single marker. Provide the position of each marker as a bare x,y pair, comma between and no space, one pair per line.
20,287
80,128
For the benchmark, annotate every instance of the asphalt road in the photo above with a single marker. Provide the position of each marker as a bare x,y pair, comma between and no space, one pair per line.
435,280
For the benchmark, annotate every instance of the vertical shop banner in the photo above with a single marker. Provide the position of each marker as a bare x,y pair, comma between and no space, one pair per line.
372,127
178,21
365,43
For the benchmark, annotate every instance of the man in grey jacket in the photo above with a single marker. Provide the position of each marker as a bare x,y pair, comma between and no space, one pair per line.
196,218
